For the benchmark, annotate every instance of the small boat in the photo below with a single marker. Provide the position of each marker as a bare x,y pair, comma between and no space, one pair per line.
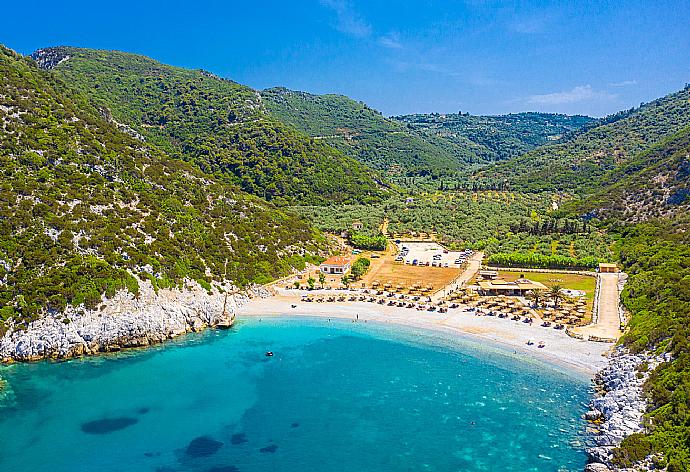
269,354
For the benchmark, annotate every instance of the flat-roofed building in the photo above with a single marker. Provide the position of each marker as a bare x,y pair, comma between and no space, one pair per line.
488,274
606,268
519,287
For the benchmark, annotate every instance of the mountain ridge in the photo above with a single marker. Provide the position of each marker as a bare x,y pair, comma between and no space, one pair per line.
216,124
363,133
581,162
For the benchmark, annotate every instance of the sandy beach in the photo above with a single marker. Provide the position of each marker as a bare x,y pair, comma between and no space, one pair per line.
586,357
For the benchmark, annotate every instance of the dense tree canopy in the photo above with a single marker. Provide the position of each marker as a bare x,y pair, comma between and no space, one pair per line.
217,125
86,207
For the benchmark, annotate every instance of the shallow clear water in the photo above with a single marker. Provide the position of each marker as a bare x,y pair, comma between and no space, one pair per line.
336,396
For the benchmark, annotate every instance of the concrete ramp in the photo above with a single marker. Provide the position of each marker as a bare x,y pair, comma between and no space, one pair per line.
607,326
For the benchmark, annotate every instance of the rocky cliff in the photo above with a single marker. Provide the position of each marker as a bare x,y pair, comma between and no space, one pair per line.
123,321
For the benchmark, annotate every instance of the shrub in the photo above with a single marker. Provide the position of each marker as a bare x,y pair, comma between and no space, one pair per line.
359,268
633,449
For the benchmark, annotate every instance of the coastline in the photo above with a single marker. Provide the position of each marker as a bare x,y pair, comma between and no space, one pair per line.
121,322
617,409
583,357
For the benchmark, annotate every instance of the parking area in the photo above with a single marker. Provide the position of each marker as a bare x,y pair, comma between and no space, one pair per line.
430,254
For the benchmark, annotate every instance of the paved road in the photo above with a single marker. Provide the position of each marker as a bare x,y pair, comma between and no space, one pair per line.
608,324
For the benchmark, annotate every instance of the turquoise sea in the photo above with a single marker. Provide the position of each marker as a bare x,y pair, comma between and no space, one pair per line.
336,396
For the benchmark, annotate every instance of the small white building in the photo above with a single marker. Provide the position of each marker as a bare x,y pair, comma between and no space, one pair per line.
338,265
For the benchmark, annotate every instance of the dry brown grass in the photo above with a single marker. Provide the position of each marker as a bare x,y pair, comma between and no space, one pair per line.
407,275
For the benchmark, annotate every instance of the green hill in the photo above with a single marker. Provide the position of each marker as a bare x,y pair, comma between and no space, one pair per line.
582,161
217,125
653,184
638,187
496,138
86,206
364,134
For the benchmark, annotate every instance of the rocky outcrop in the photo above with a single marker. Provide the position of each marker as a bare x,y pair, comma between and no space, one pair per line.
48,58
618,408
123,321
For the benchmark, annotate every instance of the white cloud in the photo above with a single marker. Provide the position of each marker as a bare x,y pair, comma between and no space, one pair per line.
391,41
624,83
348,20
581,93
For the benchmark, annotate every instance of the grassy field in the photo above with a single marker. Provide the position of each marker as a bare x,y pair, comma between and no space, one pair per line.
570,281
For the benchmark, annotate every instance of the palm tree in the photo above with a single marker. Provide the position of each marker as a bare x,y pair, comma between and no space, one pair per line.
555,294
535,296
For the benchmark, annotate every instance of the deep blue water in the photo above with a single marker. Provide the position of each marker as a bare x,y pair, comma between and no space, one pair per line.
335,397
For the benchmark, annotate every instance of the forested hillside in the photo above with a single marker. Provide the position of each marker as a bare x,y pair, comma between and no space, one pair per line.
366,135
85,207
654,184
644,204
656,255
217,125
496,138
583,160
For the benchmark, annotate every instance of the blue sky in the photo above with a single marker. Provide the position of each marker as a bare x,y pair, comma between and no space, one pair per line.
481,57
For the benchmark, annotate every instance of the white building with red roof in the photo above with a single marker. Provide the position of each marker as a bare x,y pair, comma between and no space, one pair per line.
336,265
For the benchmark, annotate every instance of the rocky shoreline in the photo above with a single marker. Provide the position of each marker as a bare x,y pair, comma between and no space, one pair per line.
123,321
617,409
